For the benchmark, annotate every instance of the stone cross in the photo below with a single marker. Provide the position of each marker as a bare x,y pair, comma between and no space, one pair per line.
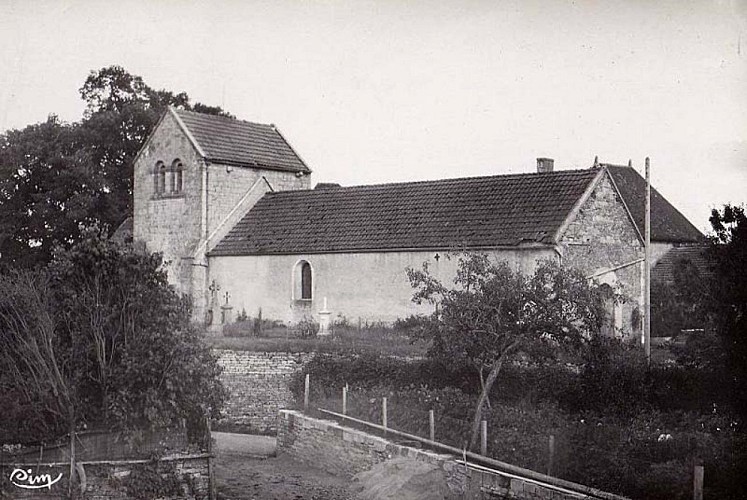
228,296
214,288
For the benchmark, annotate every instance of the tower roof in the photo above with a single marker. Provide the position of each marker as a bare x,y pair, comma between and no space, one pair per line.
241,143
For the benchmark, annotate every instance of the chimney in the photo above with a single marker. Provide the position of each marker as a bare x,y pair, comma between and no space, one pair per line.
545,165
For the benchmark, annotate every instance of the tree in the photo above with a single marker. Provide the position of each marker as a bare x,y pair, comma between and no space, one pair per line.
36,364
55,176
101,338
679,304
494,312
46,188
728,291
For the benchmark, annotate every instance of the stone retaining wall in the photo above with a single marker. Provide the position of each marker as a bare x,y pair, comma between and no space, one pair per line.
109,480
258,386
345,452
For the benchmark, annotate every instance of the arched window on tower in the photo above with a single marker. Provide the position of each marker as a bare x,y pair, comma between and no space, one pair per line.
177,168
302,281
159,178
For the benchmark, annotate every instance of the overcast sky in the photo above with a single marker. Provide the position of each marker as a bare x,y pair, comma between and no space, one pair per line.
371,92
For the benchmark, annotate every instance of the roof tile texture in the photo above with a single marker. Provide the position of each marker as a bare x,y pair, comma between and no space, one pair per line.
667,223
697,255
227,140
478,212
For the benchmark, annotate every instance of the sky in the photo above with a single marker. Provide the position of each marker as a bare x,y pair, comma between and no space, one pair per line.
389,91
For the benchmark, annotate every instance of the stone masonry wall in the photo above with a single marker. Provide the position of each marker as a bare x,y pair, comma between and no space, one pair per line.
227,185
602,236
168,224
258,386
344,451
108,480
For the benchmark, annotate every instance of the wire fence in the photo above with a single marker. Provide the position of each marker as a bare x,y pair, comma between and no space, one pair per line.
582,453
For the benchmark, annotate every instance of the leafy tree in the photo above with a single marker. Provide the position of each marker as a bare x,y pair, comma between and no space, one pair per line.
55,176
46,188
494,312
728,291
681,303
100,338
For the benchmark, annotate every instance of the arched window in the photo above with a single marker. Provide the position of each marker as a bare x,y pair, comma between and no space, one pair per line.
159,178
613,310
178,169
302,281
306,281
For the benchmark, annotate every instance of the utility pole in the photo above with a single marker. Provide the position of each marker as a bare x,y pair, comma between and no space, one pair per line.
647,269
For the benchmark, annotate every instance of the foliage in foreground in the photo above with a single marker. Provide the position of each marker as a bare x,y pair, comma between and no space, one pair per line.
99,338
609,415
491,313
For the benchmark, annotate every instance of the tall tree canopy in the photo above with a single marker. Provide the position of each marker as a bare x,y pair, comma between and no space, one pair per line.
55,176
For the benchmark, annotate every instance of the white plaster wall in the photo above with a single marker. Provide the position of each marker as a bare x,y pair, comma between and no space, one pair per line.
371,286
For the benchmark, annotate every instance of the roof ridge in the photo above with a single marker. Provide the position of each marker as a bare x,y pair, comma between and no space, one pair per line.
224,118
447,179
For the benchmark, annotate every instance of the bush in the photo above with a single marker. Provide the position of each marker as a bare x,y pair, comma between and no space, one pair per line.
307,327
330,372
100,338
615,379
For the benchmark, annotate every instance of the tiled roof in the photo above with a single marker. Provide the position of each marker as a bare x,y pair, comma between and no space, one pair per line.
474,212
697,255
667,223
238,142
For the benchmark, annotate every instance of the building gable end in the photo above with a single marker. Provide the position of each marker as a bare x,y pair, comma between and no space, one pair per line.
577,207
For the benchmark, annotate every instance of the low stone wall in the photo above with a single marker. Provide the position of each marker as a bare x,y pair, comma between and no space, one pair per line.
187,475
345,451
258,386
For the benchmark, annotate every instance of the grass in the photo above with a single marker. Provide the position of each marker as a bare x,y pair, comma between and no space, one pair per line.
382,340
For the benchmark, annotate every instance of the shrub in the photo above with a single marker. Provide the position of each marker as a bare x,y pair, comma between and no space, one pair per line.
100,337
307,327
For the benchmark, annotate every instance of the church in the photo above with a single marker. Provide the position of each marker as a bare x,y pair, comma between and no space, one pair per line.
230,204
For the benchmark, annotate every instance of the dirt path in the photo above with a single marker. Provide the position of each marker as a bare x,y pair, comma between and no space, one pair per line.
240,475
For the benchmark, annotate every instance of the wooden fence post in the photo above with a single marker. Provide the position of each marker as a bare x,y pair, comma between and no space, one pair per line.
345,399
72,462
383,413
211,469
551,457
698,482
306,394
484,438
432,425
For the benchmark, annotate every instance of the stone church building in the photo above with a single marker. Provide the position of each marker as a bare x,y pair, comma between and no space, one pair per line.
230,205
